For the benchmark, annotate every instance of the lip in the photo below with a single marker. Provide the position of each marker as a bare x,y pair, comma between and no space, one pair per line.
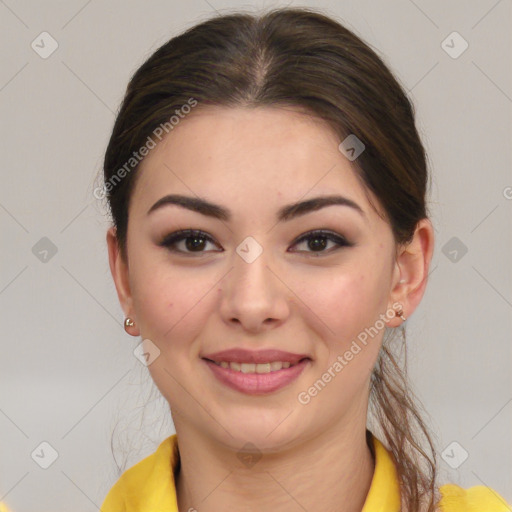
239,355
257,383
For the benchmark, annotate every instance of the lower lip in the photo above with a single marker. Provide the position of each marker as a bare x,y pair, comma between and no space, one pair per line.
257,383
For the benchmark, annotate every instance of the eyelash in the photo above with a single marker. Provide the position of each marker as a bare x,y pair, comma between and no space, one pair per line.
169,241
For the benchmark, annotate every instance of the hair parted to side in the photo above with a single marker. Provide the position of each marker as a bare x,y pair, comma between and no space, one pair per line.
300,58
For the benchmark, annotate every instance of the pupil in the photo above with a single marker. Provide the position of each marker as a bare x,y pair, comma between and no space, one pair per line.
315,246
195,242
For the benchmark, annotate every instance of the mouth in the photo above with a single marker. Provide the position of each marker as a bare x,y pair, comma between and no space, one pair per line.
256,378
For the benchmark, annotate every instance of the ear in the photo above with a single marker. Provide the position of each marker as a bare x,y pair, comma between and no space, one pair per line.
411,271
119,271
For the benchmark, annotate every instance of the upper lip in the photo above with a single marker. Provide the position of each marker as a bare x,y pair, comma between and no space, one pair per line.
239,355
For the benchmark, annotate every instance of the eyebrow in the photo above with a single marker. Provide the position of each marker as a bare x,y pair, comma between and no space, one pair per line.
286,213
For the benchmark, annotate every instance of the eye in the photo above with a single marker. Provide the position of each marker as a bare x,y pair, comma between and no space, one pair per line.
318,240
195,241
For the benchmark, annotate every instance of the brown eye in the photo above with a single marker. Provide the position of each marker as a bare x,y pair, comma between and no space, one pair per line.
195,241
317,241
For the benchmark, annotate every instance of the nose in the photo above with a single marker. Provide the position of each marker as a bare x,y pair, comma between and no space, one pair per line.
254,295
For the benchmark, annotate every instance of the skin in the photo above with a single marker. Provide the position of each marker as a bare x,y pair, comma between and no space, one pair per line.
254,161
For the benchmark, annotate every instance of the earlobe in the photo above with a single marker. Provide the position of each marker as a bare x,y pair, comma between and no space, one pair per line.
119,271
411,270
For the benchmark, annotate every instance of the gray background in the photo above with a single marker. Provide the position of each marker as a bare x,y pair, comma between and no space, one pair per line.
67,368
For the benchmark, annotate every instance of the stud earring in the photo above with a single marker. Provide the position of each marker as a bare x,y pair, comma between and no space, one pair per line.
128,323
400,313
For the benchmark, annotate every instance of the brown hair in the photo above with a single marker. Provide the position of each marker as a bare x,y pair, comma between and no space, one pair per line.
302,59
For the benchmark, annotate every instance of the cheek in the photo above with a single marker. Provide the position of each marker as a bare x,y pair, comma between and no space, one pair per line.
344,306
347,302
170,303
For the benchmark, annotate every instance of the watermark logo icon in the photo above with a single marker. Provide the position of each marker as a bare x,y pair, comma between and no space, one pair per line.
44,455
249,455
352,147
454,45
454,249
44,45
249,249
454,455
146,352
44,250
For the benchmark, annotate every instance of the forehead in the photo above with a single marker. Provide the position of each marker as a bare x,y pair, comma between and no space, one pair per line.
248,156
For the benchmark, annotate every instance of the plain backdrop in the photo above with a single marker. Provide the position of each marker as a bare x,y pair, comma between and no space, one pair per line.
67,369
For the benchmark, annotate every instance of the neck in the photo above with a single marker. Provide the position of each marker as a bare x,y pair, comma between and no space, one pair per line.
334,469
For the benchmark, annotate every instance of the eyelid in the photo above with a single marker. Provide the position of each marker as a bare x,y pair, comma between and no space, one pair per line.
320,232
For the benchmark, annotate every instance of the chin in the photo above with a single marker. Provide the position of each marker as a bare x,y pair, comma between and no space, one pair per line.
269,432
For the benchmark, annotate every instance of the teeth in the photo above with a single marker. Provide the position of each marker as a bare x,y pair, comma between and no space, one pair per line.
248,367
263,368
253,367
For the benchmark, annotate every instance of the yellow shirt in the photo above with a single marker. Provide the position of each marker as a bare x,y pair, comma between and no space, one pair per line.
149,486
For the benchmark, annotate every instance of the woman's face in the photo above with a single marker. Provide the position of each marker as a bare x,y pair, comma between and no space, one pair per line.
252,281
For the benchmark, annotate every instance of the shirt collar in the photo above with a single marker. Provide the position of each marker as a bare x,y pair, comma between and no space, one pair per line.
156,490
384,493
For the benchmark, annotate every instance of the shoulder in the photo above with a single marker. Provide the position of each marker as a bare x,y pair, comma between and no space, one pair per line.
138,483
474,499
135,476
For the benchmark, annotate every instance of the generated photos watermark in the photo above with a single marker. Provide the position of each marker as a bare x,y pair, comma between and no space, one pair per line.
304,397
137,156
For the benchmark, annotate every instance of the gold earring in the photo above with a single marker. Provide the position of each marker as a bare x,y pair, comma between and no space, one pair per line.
400,313
128,323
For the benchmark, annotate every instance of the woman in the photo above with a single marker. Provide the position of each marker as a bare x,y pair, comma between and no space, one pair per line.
270,236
